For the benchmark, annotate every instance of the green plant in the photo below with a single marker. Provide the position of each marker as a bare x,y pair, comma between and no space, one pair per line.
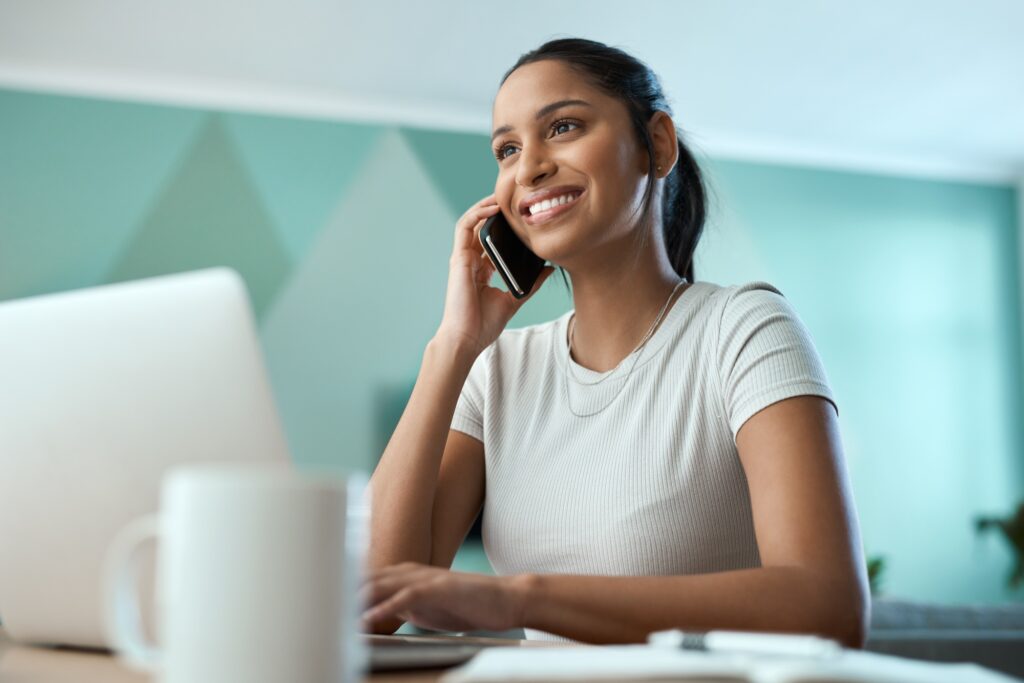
876,565
1012,529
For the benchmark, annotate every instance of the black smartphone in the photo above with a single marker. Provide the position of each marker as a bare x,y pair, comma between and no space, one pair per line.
518,266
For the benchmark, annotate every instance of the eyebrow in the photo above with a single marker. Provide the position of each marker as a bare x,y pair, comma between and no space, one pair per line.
541,113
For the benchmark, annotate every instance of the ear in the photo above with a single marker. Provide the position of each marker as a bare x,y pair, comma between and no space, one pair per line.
663,138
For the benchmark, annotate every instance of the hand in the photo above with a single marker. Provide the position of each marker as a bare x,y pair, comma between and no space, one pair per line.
439,599
474,312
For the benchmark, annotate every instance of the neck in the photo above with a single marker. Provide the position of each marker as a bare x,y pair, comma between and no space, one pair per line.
617,302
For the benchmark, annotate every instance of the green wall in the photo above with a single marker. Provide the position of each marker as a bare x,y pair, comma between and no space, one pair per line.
342,232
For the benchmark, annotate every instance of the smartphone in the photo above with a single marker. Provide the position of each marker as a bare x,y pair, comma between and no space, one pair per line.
518,266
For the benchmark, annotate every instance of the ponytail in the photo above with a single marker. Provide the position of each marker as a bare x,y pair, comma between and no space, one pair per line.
684,210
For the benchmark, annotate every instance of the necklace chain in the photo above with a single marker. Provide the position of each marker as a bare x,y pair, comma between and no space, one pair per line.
636,353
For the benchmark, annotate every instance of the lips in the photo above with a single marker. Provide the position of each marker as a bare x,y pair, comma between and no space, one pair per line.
547,193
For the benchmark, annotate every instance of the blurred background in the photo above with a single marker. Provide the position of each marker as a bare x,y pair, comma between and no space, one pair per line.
867,159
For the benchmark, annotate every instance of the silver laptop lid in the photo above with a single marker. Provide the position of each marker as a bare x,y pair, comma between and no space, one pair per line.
101,390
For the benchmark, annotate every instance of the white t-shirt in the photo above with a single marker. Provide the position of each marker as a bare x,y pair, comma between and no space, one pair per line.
651,485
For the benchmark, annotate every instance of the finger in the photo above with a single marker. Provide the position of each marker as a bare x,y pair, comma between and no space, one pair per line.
391,579
471,232
467,229
378,591
404,600
486,269
385,586
468,216
489,199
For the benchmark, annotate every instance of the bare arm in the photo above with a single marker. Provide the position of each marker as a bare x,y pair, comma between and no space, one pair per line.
812,578
428,486
404,484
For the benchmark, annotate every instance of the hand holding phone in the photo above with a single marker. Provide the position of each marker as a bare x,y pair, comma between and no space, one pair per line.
518,266
474,312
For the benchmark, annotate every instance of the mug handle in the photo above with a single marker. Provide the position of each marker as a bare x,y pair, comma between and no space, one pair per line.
124,618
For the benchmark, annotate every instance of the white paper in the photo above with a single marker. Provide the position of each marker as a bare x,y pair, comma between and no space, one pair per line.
638,662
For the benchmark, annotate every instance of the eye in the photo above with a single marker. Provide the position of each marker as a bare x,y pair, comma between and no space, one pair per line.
564,122
499,152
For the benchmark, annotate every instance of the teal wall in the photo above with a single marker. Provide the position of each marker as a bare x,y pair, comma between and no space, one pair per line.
342,232
910,288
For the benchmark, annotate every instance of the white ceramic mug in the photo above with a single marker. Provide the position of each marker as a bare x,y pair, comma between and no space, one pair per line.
258,568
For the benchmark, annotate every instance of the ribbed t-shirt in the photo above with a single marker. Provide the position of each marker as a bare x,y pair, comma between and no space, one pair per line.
651,484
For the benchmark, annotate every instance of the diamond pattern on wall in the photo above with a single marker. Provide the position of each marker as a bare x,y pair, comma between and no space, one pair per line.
209,214
459,164
76,178
301,169
358,311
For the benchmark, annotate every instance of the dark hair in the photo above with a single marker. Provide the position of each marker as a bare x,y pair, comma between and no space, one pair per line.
632,82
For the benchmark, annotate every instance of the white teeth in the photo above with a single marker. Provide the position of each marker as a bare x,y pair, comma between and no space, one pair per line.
548,203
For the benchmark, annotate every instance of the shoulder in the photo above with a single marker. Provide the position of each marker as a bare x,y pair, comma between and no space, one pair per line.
737,298
755,311
518,344
750,304
765,351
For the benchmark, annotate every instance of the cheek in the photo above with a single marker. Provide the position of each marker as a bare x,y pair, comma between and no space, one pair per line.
504,187
622,157
622,177
609,163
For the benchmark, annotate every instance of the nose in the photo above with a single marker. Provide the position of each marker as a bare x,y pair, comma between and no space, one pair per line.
533,166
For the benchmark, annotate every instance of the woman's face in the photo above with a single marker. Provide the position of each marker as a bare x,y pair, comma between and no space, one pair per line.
585,150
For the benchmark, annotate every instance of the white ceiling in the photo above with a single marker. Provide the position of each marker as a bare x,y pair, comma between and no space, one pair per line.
901,86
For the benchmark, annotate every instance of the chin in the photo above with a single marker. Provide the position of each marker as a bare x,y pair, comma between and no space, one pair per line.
550,248
557,244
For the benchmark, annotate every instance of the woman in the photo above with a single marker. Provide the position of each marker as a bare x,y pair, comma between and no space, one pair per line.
665,455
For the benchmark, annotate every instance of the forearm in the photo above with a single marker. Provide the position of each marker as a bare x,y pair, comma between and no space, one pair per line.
617,609
404,482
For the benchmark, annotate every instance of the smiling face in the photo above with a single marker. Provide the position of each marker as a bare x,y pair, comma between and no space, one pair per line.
584,152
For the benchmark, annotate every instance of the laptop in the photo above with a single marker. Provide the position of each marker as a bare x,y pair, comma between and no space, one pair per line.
101,391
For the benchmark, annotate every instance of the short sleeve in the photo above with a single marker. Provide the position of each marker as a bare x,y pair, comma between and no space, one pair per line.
765,354
469,411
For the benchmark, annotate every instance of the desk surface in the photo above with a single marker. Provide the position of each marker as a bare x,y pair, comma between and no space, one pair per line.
24,664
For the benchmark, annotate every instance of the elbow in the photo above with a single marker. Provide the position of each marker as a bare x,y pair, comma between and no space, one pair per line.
852,629
858,629
839,610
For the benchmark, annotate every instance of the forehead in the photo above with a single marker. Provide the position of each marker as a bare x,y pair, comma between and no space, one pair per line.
533,85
